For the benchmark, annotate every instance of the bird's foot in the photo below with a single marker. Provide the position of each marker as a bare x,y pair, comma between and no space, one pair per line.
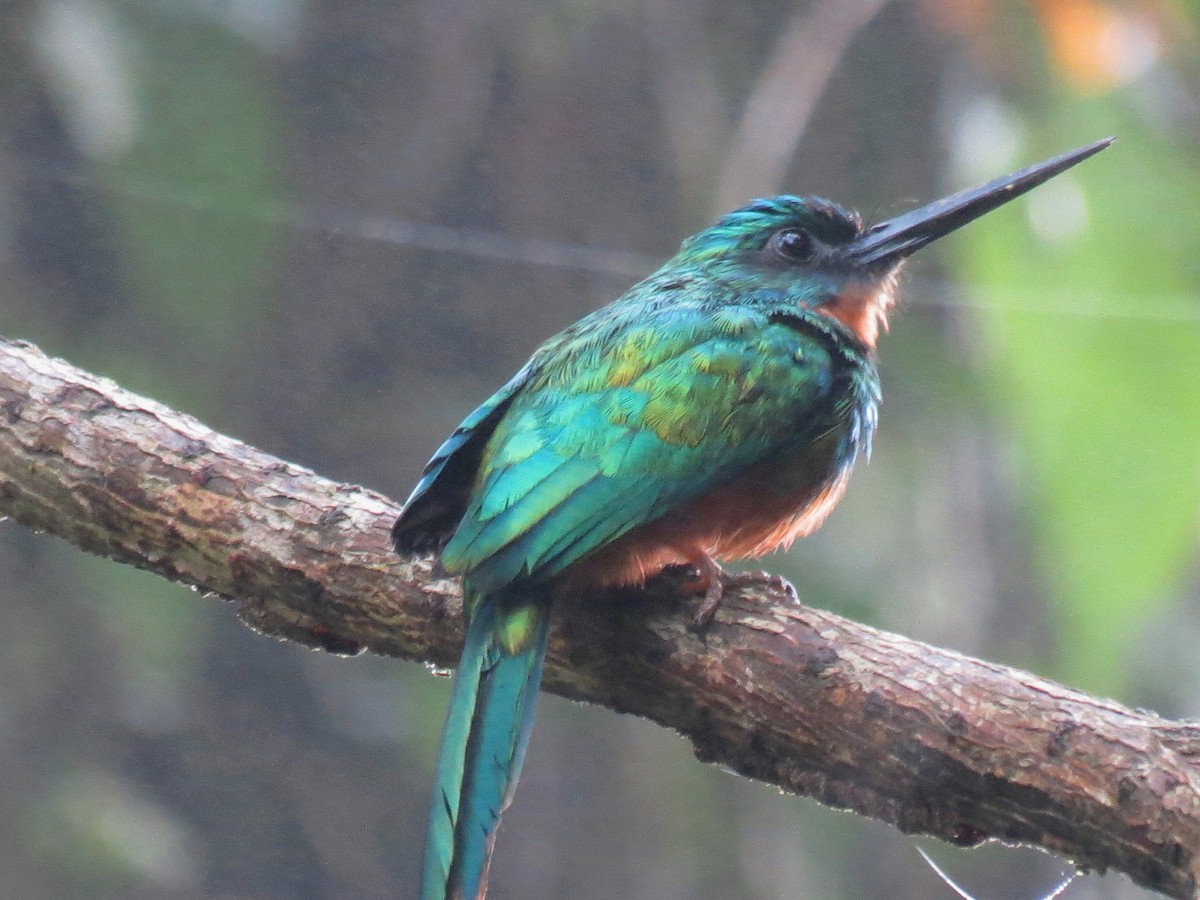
715,581
759,578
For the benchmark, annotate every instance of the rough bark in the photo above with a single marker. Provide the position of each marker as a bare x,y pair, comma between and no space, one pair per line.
926,739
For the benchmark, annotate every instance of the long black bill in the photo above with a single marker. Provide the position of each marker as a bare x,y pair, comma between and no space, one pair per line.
891,241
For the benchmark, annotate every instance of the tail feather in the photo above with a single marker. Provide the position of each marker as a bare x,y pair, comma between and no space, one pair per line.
487,730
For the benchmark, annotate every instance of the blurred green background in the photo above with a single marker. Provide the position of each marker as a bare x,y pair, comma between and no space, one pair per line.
331,227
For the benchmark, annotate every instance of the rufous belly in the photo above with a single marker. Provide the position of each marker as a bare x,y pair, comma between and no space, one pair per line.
747,518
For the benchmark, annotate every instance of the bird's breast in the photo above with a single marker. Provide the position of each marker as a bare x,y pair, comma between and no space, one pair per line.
765,508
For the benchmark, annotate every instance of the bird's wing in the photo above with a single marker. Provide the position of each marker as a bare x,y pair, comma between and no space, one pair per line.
616,431
438,501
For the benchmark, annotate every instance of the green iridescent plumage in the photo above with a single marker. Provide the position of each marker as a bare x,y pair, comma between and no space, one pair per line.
610,434
709,366
712,411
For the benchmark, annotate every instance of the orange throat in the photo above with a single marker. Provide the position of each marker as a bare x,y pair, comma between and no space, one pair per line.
864,308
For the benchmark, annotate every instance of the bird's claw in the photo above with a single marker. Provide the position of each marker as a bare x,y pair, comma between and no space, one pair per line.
719,581
709,605
760,578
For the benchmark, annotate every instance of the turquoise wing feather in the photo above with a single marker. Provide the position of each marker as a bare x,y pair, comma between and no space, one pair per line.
618,426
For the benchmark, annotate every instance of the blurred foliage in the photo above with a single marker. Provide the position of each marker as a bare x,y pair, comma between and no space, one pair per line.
1102,383
181,181
227,206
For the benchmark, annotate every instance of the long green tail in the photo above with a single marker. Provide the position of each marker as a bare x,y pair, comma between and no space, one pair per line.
487,729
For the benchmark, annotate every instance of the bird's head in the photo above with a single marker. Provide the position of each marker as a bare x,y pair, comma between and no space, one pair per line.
822,256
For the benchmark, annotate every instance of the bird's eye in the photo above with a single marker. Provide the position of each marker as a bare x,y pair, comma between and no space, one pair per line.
793,244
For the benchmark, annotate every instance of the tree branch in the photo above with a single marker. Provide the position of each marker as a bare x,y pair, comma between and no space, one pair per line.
926,739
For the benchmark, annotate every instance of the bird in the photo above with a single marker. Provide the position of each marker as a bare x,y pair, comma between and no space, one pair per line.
712,413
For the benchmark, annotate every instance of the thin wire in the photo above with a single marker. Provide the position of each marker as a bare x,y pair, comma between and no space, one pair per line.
384,229
1128,307
950,882
617,264
954,886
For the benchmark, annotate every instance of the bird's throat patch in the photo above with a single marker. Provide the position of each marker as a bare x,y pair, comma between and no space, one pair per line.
863,308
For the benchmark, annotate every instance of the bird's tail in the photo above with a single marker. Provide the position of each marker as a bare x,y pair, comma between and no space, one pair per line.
483,744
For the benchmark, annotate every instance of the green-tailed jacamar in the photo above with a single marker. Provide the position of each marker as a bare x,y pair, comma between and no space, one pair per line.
712,413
